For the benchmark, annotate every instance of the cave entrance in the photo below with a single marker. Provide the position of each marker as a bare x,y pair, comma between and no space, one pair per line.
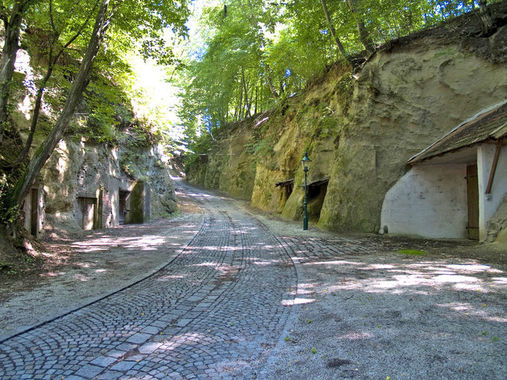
286,188
316,194
90,213
136,213
123,205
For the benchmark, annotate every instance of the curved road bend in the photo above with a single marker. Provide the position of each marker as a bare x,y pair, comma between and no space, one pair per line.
215,311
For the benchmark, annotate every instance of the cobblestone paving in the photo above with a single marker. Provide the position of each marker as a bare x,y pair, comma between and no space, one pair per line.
215,311
304,249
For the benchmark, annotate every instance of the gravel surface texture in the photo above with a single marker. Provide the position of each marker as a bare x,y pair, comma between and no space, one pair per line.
248,296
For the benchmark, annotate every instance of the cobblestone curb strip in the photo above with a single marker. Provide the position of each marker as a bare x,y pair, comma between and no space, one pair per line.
214,311
103,297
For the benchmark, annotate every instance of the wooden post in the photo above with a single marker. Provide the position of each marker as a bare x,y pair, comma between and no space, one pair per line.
493,166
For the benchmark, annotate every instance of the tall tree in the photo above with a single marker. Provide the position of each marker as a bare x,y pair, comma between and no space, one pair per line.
55,51
364,36
332,29
102,22
12,24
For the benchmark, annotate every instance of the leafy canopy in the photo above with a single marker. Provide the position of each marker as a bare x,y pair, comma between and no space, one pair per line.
255,53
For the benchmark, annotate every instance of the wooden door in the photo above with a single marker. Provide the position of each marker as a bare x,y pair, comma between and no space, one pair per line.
97,217
473,202
123,203
88,212
34,211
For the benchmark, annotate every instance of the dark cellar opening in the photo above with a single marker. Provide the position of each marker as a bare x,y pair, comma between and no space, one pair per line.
316,195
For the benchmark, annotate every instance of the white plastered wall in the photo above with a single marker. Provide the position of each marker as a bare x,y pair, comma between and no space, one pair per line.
488,204
428,201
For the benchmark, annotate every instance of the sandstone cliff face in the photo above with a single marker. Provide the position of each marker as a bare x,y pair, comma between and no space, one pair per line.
86,184
79,171
403,101
229,166
360,128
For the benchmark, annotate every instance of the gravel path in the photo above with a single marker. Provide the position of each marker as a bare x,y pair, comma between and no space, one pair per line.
252,297
365,311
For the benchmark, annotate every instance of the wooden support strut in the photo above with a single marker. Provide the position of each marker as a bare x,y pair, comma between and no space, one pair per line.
493,166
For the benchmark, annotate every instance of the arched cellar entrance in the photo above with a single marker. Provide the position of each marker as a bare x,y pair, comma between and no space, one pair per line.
316,194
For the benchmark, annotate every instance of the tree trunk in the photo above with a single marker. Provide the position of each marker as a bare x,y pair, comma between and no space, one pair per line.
10,48
250,103
256,97
73,99
364,36
333,32
269,79
243,83
52,60
485,15
240,107
35,117
248,99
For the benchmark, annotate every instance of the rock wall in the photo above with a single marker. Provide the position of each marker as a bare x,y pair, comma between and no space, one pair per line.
86,183
497,225
149,165
360,128
229,166
80,172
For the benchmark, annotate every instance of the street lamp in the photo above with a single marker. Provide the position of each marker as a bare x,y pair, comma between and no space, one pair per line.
305,162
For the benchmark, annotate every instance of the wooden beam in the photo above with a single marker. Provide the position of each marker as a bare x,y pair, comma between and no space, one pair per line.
493,166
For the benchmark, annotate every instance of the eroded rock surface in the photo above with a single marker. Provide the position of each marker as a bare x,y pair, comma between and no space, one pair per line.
360,128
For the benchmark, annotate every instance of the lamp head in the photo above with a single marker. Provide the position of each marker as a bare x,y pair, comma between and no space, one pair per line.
305,162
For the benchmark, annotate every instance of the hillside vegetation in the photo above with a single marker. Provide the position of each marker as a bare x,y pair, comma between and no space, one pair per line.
65,86
359,123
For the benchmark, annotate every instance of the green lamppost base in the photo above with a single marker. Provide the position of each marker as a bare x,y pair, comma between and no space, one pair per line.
305,162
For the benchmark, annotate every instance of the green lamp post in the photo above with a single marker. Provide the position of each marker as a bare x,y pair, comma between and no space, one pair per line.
305,162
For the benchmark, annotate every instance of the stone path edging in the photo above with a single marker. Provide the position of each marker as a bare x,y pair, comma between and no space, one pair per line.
109,294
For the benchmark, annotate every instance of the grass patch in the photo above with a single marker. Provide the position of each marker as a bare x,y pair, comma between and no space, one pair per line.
412,252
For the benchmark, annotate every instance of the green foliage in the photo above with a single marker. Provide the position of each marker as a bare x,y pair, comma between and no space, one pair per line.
56,35
197,148
136,138
260,148
345,89
258,54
